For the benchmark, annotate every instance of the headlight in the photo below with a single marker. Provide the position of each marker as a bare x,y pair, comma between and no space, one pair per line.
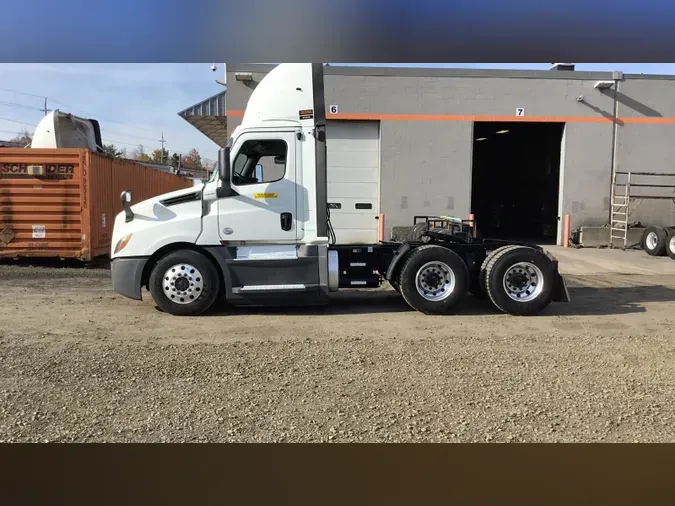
122,243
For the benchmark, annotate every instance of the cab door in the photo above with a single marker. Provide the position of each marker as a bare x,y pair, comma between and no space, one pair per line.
263,176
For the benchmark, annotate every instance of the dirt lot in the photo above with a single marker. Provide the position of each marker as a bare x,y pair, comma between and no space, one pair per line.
78,363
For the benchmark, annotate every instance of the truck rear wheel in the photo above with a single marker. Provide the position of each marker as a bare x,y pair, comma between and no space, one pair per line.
477,288
519,280
670,243
184,283
433,279
654,241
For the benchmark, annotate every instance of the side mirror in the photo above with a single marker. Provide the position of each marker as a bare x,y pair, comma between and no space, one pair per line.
225,187
224,164
125,198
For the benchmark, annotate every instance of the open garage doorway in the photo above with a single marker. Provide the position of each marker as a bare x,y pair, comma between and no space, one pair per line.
515,180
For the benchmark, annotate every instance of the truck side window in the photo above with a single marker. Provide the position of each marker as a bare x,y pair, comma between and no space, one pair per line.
260,162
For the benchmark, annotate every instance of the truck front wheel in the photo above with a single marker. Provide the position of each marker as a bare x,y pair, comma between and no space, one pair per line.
433,279
184,283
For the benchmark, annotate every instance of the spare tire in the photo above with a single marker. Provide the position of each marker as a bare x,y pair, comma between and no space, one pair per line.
519,280
670,244
654,241
437,230
417,231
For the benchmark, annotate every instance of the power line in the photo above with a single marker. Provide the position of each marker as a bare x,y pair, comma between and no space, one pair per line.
137,145
106,139
32,107
129,135
42,96
71,107
20,106
22,93
20,122
45,110
14,132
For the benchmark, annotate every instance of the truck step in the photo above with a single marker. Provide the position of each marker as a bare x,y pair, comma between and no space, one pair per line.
372,281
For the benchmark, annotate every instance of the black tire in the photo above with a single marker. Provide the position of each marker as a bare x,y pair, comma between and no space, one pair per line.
499,263
422,258
197,299
654,241
437,230
670,244
478,283
417,231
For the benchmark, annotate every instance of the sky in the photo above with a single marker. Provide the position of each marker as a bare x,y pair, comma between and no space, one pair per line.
134,103
138,102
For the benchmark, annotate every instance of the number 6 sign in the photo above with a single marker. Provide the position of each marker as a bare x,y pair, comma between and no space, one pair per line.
333,109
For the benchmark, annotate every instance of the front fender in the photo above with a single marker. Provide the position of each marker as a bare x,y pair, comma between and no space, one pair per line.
396,261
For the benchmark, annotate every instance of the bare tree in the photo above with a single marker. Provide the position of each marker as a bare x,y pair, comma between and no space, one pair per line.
140,154
24,138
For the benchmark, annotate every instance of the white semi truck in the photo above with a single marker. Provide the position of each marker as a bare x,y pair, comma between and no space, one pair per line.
259,233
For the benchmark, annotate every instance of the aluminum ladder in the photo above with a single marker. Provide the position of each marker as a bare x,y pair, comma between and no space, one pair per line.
620,203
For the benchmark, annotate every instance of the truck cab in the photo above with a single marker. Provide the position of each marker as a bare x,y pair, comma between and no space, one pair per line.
259,233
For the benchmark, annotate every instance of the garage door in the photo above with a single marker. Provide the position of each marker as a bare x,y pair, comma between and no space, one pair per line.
353,151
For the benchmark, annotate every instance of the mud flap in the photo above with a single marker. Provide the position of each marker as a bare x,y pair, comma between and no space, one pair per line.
560,292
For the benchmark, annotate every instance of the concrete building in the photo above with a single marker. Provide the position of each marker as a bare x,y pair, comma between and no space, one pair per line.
519,149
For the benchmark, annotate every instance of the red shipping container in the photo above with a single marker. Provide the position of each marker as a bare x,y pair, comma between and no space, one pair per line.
62,203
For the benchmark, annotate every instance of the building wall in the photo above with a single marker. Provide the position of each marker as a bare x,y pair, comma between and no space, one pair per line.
648,147
426,161
425,169
586,174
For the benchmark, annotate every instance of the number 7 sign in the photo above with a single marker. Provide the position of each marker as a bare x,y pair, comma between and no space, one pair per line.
520,111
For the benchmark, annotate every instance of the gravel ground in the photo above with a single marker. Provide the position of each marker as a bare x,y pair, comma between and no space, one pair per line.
78,363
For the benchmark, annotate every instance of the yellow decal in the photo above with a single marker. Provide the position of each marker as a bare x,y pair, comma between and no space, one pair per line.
265,195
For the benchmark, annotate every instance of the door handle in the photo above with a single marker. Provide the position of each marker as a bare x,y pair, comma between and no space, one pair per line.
286,221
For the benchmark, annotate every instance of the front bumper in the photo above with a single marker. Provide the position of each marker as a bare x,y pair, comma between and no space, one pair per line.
127,276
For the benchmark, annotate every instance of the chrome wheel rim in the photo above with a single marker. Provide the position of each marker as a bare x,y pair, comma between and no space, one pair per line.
652,240
523,282
672,244
435,281
183,283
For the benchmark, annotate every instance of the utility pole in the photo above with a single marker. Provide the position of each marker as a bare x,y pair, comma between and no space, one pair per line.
161,157
45,110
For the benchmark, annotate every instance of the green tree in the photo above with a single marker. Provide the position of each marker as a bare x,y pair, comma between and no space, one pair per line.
112,151
160,156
